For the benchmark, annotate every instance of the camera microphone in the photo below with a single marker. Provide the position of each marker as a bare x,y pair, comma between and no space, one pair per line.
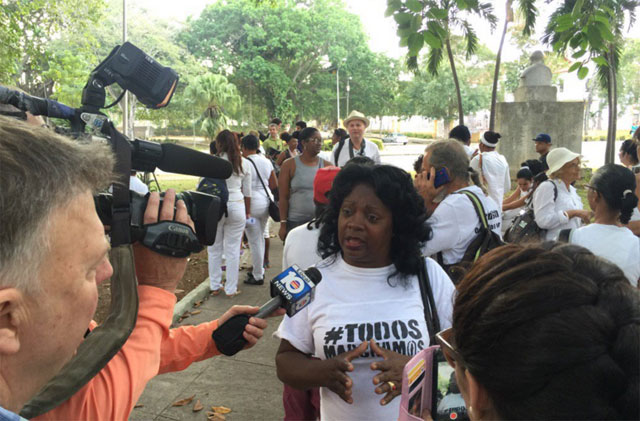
179,159
292,289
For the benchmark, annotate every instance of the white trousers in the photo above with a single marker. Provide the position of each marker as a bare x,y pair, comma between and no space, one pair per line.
228,238
260,212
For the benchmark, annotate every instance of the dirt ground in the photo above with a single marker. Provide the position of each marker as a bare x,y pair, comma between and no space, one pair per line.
196,273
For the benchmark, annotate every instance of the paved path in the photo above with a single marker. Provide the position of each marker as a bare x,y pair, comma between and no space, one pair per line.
246,382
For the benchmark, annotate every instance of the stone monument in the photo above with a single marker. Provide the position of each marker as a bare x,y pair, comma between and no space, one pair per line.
536,110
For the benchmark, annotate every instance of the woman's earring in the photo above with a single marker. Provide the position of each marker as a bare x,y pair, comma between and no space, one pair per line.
470,411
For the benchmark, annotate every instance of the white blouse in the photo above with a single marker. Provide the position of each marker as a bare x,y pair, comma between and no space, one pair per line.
550,214
239,185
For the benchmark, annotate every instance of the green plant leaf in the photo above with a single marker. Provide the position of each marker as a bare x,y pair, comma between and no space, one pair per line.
416,23
403,18
416,41
575,66
390,11
594,37
601,61
432,40
564,22
578,54
414,5
582,73
577,9
404,41
437,13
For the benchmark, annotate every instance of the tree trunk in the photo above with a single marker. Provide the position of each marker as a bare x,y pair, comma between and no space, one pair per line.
455,82
496,73
609,157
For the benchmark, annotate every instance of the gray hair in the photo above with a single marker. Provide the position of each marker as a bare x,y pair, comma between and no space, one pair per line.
40,172
451,154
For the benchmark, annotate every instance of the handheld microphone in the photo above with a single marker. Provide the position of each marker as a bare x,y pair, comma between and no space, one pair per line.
292,289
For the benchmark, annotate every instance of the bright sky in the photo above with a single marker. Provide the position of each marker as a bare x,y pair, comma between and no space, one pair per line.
381,30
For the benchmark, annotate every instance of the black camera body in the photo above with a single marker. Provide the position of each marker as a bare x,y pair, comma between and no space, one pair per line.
169,237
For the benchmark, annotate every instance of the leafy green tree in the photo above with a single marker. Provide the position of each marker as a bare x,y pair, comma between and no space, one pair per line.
432,22
277,53
217,98
529,12
435,96
27,27
593,30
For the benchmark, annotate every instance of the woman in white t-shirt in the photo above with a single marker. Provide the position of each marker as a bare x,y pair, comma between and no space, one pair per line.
611,197
556,203
231,225
367,318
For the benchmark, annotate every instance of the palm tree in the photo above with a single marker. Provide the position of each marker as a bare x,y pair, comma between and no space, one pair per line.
529,11
217,98
594,27
441,17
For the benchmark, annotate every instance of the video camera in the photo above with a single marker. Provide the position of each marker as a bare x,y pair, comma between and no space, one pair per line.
154,86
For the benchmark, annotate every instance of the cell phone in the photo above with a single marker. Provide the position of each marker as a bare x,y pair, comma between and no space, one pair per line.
442,177
429,382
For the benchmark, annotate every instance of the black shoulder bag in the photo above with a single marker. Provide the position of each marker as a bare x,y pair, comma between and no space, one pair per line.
428,302
274,210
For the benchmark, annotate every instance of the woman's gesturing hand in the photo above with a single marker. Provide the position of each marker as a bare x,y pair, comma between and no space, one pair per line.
336,378
389,380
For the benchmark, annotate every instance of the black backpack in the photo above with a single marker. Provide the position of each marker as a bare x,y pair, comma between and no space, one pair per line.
216,187
485,241
524,228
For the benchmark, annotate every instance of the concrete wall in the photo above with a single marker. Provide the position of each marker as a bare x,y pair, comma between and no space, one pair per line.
520,122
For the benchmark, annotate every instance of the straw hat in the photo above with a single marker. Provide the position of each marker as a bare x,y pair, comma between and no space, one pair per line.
356,115
558,157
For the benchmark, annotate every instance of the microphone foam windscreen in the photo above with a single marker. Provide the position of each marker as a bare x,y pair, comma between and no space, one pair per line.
179,159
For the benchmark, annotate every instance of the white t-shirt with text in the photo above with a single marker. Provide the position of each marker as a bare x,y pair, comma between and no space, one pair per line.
353,305
455,224
616,244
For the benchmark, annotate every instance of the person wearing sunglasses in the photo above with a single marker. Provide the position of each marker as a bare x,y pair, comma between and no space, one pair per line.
611,196
545,332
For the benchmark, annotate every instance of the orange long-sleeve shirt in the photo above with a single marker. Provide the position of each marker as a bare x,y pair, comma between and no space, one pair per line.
151,349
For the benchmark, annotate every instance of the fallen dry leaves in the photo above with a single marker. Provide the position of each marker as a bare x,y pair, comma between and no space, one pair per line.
198,406
193,313
213,416
221,409
183,402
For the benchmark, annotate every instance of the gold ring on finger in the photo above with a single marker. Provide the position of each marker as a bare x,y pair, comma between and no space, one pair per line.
392,385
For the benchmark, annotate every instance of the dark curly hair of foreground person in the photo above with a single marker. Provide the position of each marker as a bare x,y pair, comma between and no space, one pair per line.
551,332
394,188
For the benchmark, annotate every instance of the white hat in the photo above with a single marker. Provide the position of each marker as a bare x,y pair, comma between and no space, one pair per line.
558,157
356,115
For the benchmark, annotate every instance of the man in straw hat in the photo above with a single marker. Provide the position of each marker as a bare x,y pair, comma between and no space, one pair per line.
356,124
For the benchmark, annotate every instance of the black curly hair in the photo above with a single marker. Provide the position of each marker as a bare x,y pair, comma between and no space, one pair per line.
551,332
394,188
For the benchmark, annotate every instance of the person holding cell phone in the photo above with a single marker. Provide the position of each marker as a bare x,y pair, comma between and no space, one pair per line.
453,218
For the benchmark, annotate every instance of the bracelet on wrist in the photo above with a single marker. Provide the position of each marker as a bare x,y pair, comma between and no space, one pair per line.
283,220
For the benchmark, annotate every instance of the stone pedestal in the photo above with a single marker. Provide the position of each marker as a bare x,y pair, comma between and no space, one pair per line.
520,122
535,93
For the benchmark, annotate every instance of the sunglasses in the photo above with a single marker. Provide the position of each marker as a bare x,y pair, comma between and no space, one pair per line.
445,339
